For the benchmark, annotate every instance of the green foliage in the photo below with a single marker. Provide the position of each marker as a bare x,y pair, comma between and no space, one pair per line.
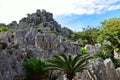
69,64
116,63
90,34
35,65
84,50
3,28
11,30
110,31
36,68
66,40
87,36
53,31
108,52
102,55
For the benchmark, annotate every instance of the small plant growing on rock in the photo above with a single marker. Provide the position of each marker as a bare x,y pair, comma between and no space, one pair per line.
53,31
84,50
11,30
102,55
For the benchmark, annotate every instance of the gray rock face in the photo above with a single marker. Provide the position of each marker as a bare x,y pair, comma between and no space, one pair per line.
101,70
47,41
93,49
5,39
37,35
53,44
110,70
38,17
13,25
20,37
10,67
118,72
30,37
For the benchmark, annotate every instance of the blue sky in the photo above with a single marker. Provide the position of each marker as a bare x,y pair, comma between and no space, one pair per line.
73,14
77,22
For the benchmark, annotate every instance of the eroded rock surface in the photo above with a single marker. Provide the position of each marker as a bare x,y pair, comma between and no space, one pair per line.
37,35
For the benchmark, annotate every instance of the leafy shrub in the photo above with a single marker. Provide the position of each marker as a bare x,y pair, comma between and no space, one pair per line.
102,55
11,30
3,28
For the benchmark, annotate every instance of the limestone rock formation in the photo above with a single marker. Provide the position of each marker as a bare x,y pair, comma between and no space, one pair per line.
101,70
37,35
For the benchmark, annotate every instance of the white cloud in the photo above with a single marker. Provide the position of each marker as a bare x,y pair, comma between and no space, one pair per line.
16,9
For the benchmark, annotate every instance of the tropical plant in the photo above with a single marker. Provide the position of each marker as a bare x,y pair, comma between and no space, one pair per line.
102,55
108,52
69,64
36,67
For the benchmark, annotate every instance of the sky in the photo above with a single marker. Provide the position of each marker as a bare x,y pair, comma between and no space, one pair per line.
74,14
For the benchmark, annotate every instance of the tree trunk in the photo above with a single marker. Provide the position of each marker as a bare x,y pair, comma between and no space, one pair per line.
37,76
70,76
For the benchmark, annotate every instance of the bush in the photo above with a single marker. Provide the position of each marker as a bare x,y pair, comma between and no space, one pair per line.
3,28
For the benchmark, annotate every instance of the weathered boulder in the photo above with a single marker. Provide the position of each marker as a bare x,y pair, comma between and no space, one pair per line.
93,49
118,72
55,45
110,70
20,37
5,39
101,70
37,53
37,18
10,67
30,37
46,41
13,25
6,36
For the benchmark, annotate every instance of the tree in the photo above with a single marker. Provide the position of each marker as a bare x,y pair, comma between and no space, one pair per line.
110,31
87,36
90,34
69,64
